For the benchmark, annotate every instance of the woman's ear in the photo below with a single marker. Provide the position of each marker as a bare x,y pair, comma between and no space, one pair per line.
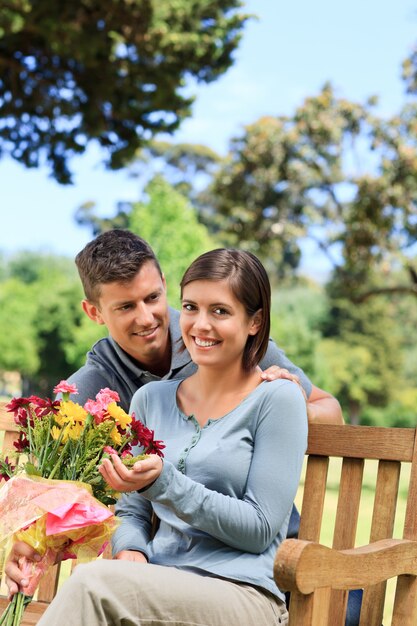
92,311
256,322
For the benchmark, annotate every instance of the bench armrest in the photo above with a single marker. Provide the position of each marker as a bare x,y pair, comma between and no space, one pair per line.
305,566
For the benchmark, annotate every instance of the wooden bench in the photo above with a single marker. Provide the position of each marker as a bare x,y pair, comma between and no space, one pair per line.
318,577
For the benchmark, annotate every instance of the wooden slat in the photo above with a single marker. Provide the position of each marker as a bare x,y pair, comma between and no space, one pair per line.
345,527
313,499
405,604
367,442
383,517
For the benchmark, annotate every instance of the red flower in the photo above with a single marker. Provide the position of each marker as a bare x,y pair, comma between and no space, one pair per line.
17,403
6,469
45,407
22,444
144,436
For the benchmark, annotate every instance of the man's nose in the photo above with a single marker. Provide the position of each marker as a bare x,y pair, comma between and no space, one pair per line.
144,316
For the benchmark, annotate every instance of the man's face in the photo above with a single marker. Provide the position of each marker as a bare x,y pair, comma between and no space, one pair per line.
136,315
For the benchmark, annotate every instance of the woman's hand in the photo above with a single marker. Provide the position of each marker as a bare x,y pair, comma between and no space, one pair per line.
142,474
16,579
131,555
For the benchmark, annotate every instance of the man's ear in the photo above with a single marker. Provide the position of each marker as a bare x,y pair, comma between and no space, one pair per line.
92,311
164,282
256,322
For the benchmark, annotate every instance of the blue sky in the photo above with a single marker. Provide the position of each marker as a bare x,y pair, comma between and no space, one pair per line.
285,55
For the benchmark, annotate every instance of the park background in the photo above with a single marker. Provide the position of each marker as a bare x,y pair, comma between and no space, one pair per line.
303,151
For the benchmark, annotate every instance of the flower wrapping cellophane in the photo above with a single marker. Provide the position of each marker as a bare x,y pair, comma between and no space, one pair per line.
55,517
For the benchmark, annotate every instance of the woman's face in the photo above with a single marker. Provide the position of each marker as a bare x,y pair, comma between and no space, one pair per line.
214,324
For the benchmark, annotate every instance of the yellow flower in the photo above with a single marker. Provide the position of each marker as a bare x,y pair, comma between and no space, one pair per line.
118,414
75,431
55,432
116,436
70,412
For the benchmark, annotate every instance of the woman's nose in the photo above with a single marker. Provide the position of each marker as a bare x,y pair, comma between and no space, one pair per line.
202,321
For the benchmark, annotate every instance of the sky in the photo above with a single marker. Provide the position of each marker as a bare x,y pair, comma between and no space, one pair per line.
286,54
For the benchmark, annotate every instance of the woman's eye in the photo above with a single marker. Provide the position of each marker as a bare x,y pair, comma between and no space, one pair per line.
188,307
220,311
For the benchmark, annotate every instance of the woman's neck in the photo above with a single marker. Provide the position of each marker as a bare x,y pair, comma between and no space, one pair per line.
208,394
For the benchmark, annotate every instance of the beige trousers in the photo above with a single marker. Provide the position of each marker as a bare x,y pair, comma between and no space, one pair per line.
123,593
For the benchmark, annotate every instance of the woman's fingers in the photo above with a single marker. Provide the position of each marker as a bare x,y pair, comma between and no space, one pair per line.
118,476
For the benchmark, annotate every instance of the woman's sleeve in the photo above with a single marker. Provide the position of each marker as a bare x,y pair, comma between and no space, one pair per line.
134,533
135,513
250,523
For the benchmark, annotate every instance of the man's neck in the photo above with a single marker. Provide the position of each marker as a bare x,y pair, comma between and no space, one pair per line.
160,365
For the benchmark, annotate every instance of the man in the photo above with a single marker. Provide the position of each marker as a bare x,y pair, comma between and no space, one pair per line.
126,291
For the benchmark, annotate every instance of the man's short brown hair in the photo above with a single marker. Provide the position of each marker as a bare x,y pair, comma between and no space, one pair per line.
114,256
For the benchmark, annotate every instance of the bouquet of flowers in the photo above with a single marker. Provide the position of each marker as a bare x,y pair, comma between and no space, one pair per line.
56,500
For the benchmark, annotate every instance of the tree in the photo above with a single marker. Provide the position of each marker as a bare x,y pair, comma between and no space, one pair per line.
110,71
361,351
167,220
18,343
39,314
169,223
333,172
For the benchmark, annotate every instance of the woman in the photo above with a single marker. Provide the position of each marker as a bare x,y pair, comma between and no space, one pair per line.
234,450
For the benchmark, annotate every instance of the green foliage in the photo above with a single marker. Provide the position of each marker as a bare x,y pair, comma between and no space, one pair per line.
112,71
18,340
297,312
332,172
39,313
362,349
169,223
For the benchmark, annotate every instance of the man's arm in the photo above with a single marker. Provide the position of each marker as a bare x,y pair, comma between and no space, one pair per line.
323,408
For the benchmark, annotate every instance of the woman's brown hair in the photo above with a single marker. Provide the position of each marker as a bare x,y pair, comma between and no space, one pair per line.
249,283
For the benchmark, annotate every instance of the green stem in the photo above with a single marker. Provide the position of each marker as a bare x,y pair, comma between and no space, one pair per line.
10,611
45,448
5,614
18,610
58,463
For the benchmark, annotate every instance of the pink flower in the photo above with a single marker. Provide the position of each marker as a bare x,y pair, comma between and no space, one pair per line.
98,407
106,395
109,450
95,409
64,387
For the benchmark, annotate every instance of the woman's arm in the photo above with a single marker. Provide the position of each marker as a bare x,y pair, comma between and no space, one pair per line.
250,523
134,534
